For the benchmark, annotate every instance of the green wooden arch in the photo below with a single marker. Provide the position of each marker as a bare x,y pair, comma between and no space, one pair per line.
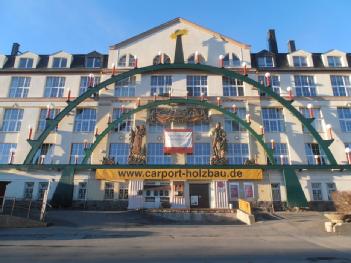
51,124
154,104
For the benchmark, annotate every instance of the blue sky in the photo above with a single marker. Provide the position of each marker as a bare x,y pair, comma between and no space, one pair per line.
77,26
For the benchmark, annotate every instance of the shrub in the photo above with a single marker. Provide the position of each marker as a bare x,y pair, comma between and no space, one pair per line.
342,201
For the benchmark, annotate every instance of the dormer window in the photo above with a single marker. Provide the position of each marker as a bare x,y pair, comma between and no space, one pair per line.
334,61
93,62
265,61
126,61
227,62
25,63
196,58
299,61
59,63
161,59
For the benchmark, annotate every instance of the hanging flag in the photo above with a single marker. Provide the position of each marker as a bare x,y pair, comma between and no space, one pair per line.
178,141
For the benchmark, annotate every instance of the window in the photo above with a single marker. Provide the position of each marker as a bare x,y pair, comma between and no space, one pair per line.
317,191
161,85
232,87
331,187
238,153
155,154
44,115
131,62
77,152
227,62
248,190
280,153
344,115
157,127
275,84
122,62
161,58
25,63
54,87
265,62
201,154
59,63
82,190
126,125
5,152
200,59
334,61
299,61
43,186
85,120
318,120
196,85
119,152
12,120
341,85
109,191
125,87
273,119
19,87
93,62
84,83
201,126
125,61
231,125
123,191
28,190
314,154
233,191
305,86
43,155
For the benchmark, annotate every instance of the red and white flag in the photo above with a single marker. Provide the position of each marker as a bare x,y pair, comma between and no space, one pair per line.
178,141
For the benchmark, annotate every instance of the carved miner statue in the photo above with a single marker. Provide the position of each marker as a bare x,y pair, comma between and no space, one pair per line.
219,145
137,145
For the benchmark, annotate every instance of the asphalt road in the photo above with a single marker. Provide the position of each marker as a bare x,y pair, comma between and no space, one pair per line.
130,237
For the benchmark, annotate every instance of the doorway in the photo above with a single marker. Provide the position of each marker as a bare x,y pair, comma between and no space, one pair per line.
199,195
276,196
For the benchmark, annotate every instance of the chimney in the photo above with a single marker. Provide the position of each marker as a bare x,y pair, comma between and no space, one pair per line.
291,46
15,49
272,41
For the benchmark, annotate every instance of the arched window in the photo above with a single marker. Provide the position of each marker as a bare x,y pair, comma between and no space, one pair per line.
226,60
122,62
200,59
235,60
162,58
131,62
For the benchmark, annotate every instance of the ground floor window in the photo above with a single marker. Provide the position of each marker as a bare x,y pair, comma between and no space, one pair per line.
248,190
109,191
331,187
233,191
82,190
123,191
43,186
28,190
317,191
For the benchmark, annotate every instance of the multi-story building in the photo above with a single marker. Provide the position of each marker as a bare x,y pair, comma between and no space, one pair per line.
35,88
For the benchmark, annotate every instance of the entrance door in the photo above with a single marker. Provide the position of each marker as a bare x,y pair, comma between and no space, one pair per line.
199,196
276,196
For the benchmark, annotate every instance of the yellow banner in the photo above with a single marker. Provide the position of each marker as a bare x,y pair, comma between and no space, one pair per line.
179,174
245,206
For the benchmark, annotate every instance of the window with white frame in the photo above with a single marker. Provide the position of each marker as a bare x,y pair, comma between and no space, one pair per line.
318,118
28,190
314,154
85,120
123,191
125,87
317,194
275,84
305,86
238,153
54,87
331,188
161,85
233,191
200,59
227,62
334,61
77,152
59,63
341,85
196,85
19,87
84,83
93,62
109,191
157,127
126,125
41,155
158,59
300,61
273,119
201,154
43,186
131,62
43,115
233,126
265,61
12,120
82,190
122,62
200,126
280,153
249,190
25,63
155,154
344,114
232,87
119,152
5,152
